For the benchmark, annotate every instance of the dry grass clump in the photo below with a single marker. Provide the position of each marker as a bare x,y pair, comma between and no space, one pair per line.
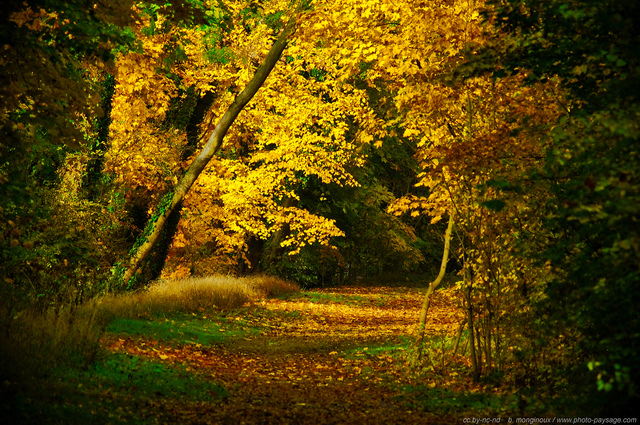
196,294
271,286
32,342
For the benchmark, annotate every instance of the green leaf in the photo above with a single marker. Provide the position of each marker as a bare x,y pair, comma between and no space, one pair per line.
494,204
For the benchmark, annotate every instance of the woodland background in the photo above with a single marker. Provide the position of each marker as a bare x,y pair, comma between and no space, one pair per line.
517,120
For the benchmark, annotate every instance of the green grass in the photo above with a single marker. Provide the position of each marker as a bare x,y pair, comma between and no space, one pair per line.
444,401
51,372
62,403
141,378
396,350
119,388
182,329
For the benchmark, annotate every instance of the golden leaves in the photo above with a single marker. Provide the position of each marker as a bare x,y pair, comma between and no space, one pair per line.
309,120
463,130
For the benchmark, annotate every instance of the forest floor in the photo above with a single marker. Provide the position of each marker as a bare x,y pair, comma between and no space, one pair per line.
332,356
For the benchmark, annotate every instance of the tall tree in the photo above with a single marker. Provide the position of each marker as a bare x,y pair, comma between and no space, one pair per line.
213,144
299,136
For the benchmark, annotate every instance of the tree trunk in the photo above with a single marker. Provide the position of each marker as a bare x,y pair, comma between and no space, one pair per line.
432,287
478,350
472,343
458,336
158,255
488,336
208,151
203,104
274,248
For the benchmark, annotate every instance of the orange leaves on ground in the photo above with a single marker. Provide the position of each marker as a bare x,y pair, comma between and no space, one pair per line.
315,361
347,321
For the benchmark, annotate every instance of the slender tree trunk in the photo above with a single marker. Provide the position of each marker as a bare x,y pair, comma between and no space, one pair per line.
458,336
488,336
472,343
479,349
211,147
498,346
432,287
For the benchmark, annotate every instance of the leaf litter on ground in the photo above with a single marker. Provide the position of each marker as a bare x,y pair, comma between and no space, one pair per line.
334,356
328,356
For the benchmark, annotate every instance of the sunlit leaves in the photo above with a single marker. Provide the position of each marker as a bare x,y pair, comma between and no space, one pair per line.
467,132
302,124
317,353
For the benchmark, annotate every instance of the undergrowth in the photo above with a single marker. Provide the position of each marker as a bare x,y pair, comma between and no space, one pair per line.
440,400
35,345
32,343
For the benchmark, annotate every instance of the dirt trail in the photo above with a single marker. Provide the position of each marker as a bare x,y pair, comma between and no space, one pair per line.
312,364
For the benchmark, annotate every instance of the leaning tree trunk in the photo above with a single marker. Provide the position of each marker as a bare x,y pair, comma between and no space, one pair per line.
208,151
432,287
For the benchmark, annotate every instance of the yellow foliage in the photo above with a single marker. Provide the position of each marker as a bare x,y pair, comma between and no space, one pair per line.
312,117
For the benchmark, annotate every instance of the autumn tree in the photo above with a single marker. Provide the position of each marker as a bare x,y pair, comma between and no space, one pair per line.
210,148
474,137
61,220
304,133
591,166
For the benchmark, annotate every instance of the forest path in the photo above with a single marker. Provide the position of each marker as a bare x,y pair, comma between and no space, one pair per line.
333,356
